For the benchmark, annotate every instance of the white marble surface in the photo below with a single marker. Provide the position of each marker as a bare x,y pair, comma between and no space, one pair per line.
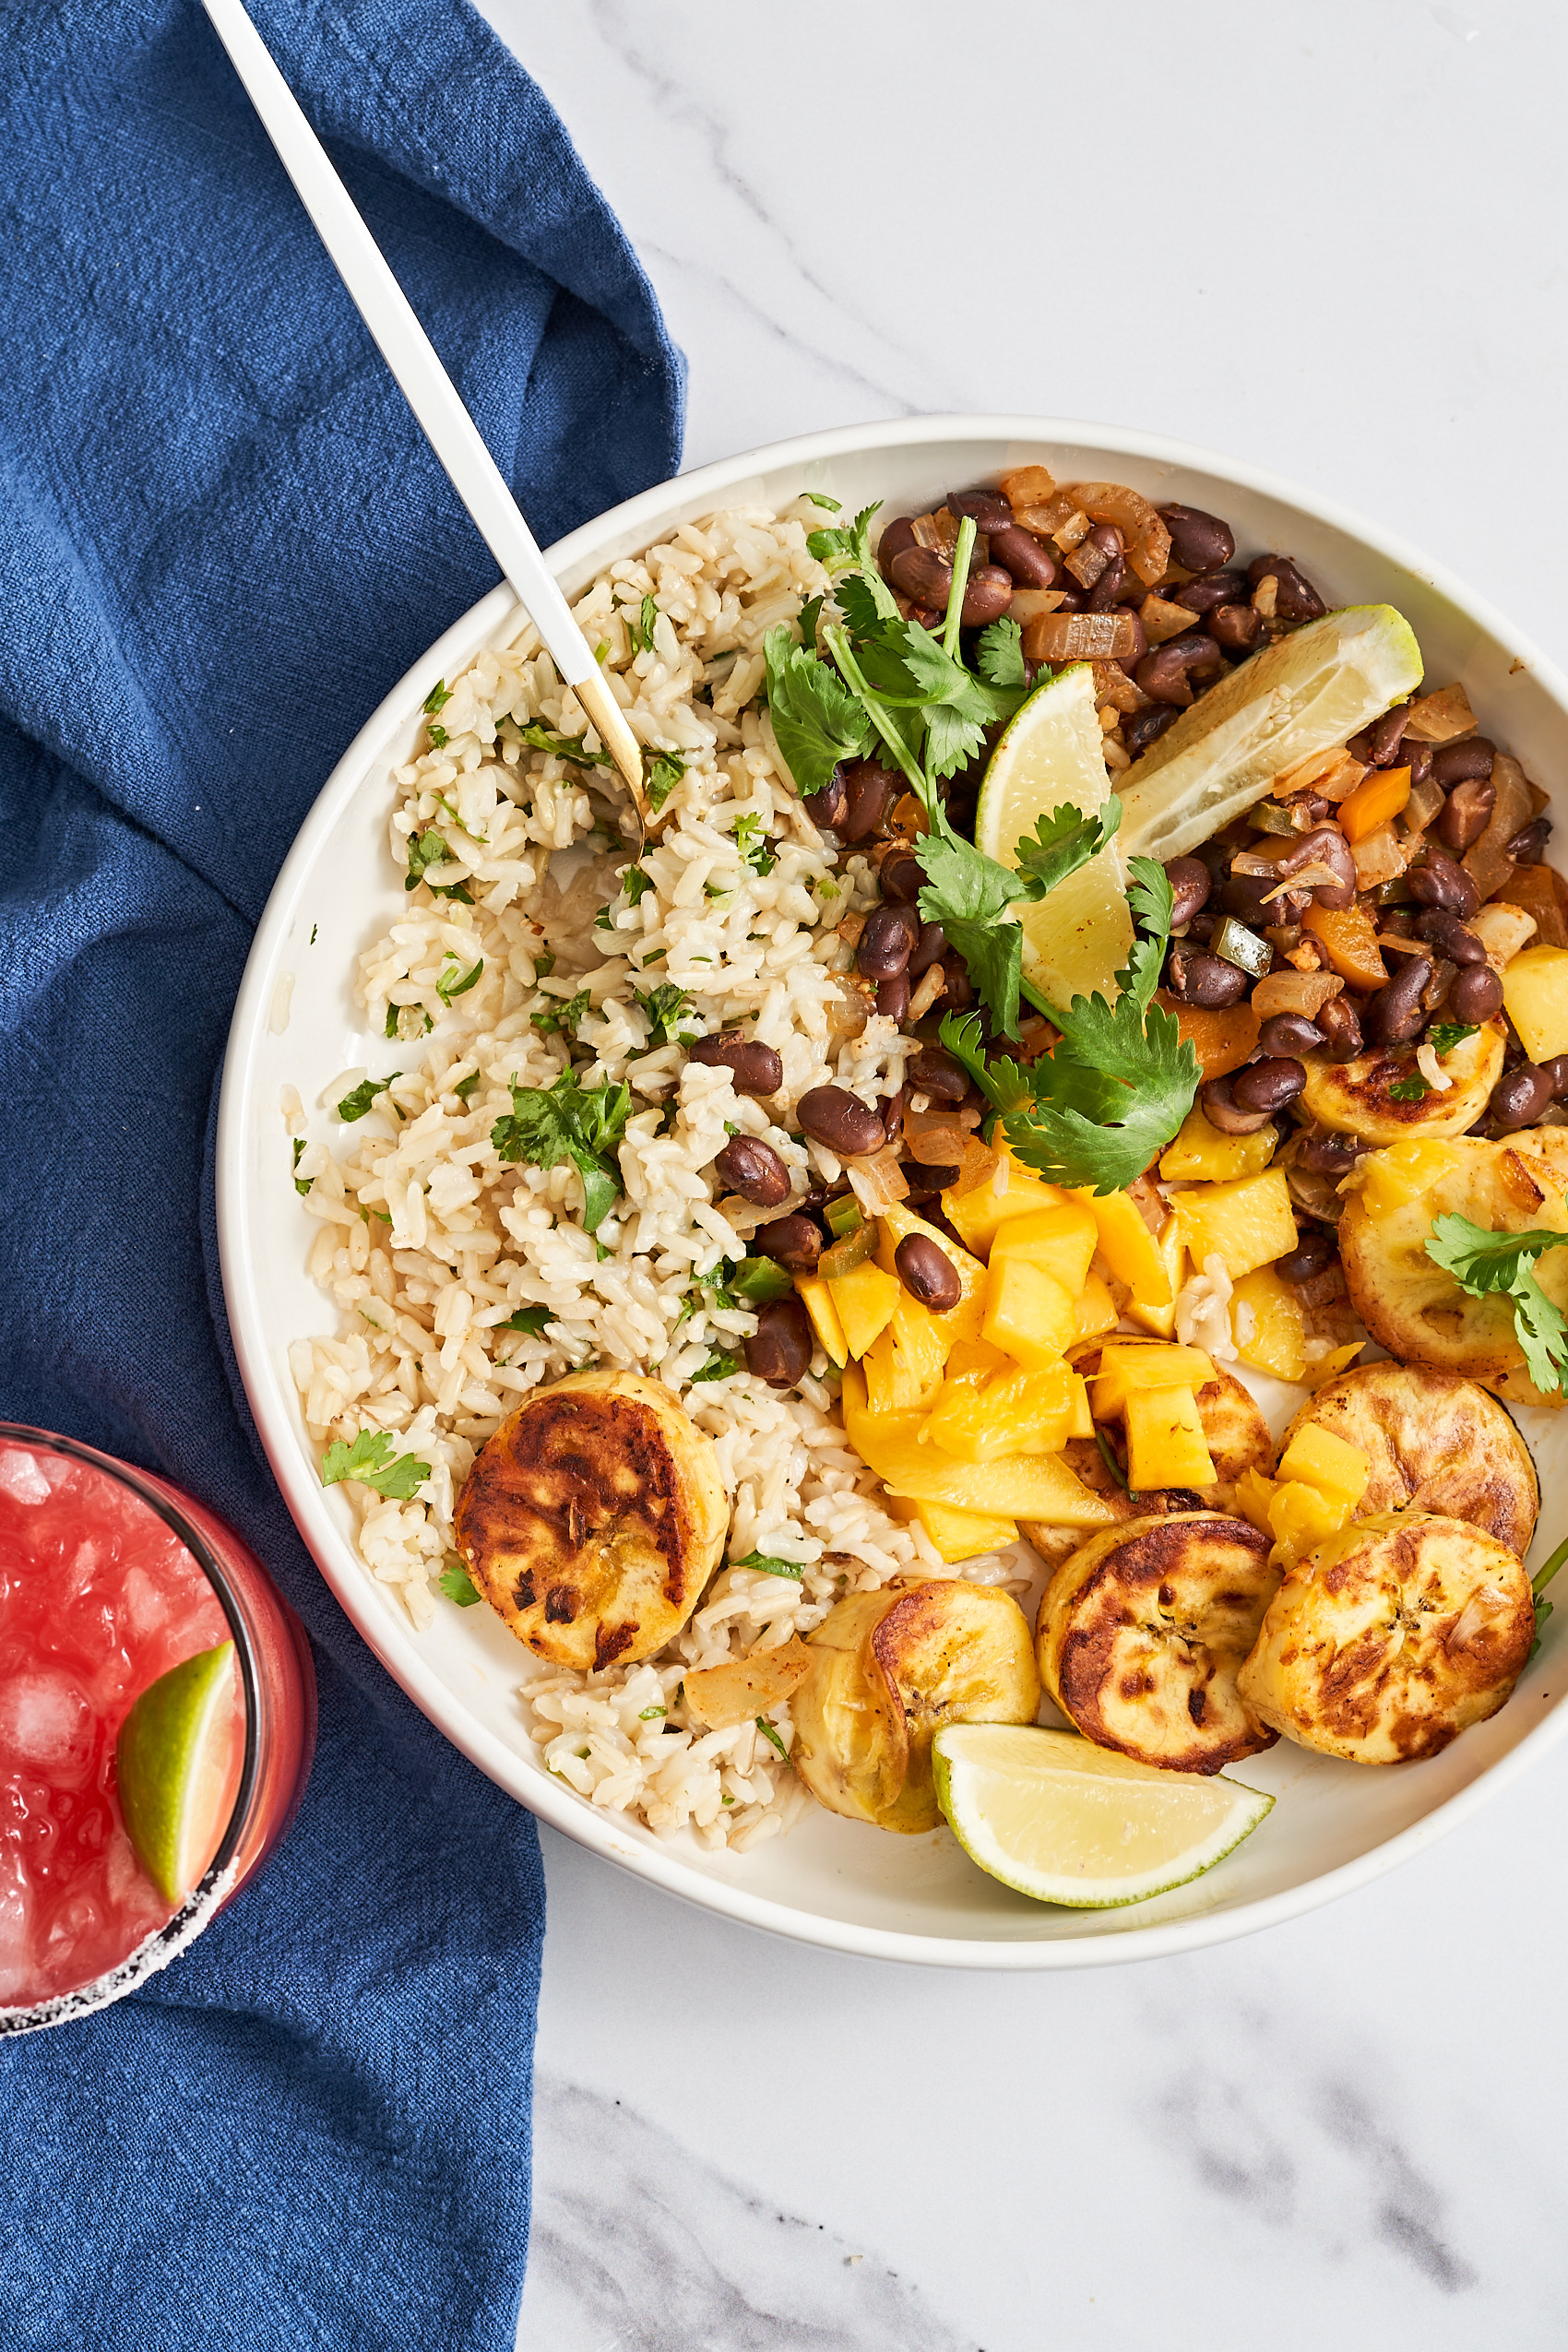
1326,241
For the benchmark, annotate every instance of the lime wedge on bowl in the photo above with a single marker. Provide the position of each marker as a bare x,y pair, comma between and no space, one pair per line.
177,1761
1302,695
1079,935
1066,1822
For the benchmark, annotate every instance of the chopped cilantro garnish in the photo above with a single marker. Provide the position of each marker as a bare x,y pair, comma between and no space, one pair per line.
544,962
457,1585
457,982
664,1007
820,498
1411,1089
811,614
393,1011
570,747
567,1122
529,1319
1446,1035
368,1460
769,1734
430,849
1482,1262
651,1715
438,697
314,929
562,1017
768,1566
354,1105
302,1184
719,1366
641,637
465,1086
753,849
437,735
634,882
662,777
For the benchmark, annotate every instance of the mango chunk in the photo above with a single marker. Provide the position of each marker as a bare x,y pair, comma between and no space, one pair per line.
1125,1368
1094,1313
1200,1154
977,1216
1329,1367
1535,990
1245,1224
1159,1316
865,1298
1028,1314
1401,1174
1036,1486
1319,1458
1254,1494
1013,1412
817,1300
1269,1311
961,1535
1166,1445
1128,1247
1301,1515
1061,1240
903,1364
962,1321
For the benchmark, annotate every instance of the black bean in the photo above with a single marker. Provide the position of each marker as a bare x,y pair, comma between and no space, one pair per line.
1107,590
893,998
1476,993
1557,1070
871,791
1269,1084
1195,977
1199,541
842,1121
754,1068
988,592
1329,1154
887,941
1019,552
1072,597
795,1241
934,1071
754,1169
1289,1033
1394,1016
960,991
1295,596
1235,626
899,534
924,1181
1528,847
1246,896
901,878
1324,846
1461,763
1190,886
930,948
892,1113
1418,759
1139,732
1520,1095
1316,1248
927,1273
1341,1027
1166,674
1223,1111
1211,590
924,574
1450,936
779,1349
1466,814
825,809
1385,739
991,512
1440,881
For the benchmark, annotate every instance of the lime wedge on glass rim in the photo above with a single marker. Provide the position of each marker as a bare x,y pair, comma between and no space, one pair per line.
177,1762
1050,754
1061,1820
1305,694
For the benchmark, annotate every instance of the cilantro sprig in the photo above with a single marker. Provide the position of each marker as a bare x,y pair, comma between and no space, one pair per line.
1483,1263
666,1006
567,1122
368,1460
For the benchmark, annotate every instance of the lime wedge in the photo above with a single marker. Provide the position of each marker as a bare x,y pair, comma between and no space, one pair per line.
1079,935
177,1761
1066,1821
1302,695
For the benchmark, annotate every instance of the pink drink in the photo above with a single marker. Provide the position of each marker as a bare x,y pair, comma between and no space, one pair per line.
107,1578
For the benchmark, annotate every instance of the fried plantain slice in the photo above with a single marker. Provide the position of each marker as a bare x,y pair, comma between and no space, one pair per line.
1434,1441
593,1517
1357,1097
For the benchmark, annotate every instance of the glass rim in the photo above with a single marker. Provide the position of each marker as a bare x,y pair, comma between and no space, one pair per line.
161,1945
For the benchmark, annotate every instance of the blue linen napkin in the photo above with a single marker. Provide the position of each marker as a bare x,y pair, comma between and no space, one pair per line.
224,538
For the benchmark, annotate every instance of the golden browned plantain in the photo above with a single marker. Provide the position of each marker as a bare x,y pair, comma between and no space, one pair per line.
1413,1308
1387,1641
1238,1440
1434,1441
1141,1633
890,1668
1355,1098
593,1518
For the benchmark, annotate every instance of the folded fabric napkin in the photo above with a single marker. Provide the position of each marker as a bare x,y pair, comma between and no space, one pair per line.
223,540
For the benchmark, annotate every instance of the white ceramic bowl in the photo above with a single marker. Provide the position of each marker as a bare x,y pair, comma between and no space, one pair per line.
830,1882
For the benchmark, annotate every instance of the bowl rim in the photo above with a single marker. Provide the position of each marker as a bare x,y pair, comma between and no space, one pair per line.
397,1646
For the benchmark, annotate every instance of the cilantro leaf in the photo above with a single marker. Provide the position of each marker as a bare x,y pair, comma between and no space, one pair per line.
719,1366
820,498
634,882
767,1566
1482,1262
752,843
438,697
969,896
465,1086
999,652
430,849
368,1460
1446,1035
540,739
1063,842
436,736
847,549
811,614
302,1184
817,720
771,1736
529,1319
457,1585
662,777
1411,1089
646,618
562,1016
457,982
664,1007
354,1105
567,1121
863,613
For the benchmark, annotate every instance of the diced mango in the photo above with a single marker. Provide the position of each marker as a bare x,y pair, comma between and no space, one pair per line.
1028,1313
1329,1367
1301,1515
903,1364
1013,1191
1128,1247
817,1300
1252,1495
1244,1224
974,1359
1037,1486
1094,1312
1200,1154
1060,1240
1394,1177
865,1298
1126,1366
962,1321
1317,1457
1270,1313
1166,1445
1380,794
1161,1317
1535,990
1013,1412
959,1534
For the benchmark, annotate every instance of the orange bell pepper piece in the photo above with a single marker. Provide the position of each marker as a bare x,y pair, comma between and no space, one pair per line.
1380,794
1350,941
